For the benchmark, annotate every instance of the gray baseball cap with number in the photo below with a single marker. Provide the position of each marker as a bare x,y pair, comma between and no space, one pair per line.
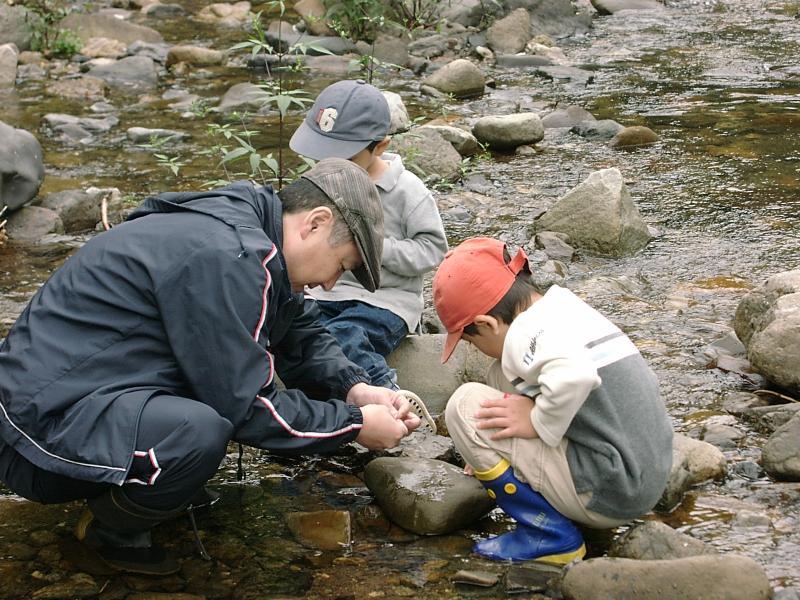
346,117
352,191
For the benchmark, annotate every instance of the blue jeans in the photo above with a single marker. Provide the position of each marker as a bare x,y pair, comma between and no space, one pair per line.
366,334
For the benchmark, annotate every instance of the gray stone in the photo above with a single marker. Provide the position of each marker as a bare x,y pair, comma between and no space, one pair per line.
573,75
767,320
555,245
772,417
243,95
77,209
506,132
510,34
323,529
141,135
781,454
85,88
605,129
313,13
94,26
710,577
9,56
460,78
428,155
521,61
427,497
133,74
653,540
633,137
156,51
21,167
30,223
400,121
55,120
156,10
463,141
703,461
568,116
16,25
609,7
194,55
599,215
678,483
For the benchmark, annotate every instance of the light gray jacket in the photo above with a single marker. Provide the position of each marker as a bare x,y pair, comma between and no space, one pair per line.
414,244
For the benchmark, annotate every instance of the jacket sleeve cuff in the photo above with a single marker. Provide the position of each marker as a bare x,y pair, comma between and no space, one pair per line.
351,380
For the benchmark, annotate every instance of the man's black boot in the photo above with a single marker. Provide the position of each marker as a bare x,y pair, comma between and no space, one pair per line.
118,530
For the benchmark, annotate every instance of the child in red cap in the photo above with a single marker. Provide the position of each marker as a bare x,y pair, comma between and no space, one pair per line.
571,427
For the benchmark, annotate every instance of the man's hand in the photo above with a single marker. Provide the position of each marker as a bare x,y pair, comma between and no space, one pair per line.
381,429
511,415
362,395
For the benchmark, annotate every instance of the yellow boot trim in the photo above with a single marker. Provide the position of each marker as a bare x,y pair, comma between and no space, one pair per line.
563,559
494,472
83,524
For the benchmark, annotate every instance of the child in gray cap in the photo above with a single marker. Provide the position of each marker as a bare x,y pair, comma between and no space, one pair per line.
350,119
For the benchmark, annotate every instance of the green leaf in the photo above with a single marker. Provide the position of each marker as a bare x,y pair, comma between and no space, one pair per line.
255,159
234,154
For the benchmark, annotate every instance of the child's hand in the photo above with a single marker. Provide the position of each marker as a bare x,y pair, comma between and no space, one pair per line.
511,415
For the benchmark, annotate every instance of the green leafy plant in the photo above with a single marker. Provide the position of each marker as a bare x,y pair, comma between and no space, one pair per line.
47,38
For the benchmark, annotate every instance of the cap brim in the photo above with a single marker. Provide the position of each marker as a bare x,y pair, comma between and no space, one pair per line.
367,275
307,142
450,344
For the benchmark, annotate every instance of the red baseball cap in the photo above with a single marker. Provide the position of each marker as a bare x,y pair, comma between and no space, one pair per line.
471,280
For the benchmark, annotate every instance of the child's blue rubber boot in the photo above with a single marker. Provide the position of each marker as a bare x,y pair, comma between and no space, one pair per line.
542,534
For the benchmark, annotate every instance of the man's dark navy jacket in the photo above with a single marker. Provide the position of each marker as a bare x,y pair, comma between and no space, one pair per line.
190,297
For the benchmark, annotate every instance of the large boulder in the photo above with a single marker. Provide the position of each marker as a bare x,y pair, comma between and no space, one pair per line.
460,78
506,132
427,154
21,167
781,454
609,7
16,26
9,56
31,223
767,321
134,74
710,577
428,497
510,34
598,215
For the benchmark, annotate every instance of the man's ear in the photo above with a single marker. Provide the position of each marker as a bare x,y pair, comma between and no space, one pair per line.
316,219
381,146
487,321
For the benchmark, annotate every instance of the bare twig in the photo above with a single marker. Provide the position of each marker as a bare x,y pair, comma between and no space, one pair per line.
104,211
776,394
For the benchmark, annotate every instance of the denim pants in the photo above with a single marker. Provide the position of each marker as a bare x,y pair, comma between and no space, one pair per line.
366,334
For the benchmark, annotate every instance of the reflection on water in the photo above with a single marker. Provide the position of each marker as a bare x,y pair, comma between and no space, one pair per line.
719,84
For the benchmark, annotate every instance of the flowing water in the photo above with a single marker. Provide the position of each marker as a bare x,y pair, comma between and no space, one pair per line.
718,82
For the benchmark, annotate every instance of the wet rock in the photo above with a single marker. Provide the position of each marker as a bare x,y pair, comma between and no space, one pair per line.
8,65
313,14
748,519
229,15
703,461
478,578
243,95
87,27
79,585
21,167
534,578
633,137
521,61
78,210
56,120
678,483
400,120
156,51
720,577
605,129
506,132
460,78
425,445
609,7
746,469
463,141
767,320
101,47
555,245
426,496
725,437
387,49
143,135
510,34
781,454
324,529
599,215
86,88
653,540
568,116
771,418
132,74
30,223
566,74
156,10
427,154
194,55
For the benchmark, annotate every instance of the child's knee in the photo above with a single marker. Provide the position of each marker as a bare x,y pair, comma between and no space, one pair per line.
463,403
